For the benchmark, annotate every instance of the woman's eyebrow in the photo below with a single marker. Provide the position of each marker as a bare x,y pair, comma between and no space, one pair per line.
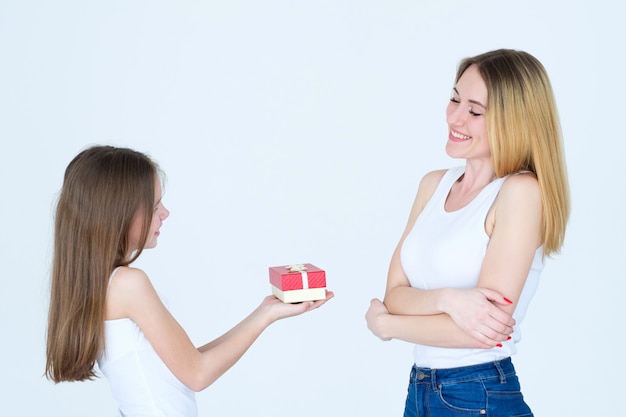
479,103
471,101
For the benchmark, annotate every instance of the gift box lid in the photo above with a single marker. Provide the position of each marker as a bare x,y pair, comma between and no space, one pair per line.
297,277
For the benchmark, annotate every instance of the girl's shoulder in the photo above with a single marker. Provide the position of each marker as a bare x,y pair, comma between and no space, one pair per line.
127,279
127,286
127,272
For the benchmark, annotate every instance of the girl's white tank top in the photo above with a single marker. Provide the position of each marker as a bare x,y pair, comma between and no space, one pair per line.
140,381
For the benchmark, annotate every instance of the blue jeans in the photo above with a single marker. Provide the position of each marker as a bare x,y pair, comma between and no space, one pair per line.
489,389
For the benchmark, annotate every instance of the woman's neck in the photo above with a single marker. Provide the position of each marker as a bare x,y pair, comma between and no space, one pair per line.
477,175
469,185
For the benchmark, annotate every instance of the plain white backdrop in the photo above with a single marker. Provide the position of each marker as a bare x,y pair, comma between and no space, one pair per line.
297,131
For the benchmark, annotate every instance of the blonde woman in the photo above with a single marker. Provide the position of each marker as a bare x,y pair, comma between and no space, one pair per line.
468,263
102,310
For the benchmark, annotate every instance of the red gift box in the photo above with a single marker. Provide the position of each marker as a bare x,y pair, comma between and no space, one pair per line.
298,282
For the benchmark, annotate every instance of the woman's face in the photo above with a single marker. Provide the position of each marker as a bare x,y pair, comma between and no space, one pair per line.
160,214
465,115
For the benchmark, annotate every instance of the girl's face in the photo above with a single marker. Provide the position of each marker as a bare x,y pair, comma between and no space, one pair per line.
160,214
465,115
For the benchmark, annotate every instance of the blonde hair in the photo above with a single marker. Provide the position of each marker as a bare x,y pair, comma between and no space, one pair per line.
104,188
524,131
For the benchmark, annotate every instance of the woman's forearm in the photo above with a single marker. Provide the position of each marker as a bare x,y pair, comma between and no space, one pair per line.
405,300
433,330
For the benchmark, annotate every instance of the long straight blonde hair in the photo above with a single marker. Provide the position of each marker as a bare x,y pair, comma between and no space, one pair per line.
524,131
104,188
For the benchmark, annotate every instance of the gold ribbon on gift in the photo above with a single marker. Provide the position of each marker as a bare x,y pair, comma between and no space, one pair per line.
296,268
302,269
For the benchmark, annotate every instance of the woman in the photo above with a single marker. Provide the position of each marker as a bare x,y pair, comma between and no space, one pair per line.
465,269
103,310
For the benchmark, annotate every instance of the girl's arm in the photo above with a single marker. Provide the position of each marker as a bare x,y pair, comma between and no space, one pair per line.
483,313
132,295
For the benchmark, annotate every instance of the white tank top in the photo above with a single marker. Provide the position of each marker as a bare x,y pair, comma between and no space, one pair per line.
446,249
140,381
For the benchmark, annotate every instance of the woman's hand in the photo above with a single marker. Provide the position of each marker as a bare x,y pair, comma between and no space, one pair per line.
375,313
477,312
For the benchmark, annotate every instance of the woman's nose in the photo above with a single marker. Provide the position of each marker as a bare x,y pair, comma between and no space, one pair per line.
455,115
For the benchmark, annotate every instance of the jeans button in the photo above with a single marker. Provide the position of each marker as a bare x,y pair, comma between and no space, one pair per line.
420,375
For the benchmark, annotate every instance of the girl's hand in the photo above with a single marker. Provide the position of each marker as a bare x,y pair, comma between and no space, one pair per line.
478,313
278,310
375,312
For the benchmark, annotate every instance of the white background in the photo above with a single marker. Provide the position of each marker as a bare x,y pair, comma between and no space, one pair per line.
297,131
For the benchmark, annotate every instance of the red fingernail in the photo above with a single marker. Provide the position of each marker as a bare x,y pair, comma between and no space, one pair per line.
508,301
508,338
499,345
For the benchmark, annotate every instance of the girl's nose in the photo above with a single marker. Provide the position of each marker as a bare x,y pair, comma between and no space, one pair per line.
165,213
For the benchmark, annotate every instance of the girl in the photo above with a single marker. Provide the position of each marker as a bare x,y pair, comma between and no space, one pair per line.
102,310
469,260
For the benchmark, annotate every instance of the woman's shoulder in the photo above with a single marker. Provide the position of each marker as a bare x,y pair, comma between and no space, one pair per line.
426,189
520,193
521,184
432,179
435,175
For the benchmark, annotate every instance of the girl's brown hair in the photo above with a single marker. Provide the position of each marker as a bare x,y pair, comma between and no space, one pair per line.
524,131
104,188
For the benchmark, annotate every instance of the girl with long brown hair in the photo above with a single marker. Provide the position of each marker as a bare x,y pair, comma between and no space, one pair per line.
104,311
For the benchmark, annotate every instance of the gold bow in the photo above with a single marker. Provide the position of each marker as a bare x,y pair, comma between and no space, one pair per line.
296,268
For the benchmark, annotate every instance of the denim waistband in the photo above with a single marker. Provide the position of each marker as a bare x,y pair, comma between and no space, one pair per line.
498,369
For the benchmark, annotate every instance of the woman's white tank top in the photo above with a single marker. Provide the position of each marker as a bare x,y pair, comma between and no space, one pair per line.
446,249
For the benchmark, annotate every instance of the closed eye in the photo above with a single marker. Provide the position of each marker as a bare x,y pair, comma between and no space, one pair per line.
470,110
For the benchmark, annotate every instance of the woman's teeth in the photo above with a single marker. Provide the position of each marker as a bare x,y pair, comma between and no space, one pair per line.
460,136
